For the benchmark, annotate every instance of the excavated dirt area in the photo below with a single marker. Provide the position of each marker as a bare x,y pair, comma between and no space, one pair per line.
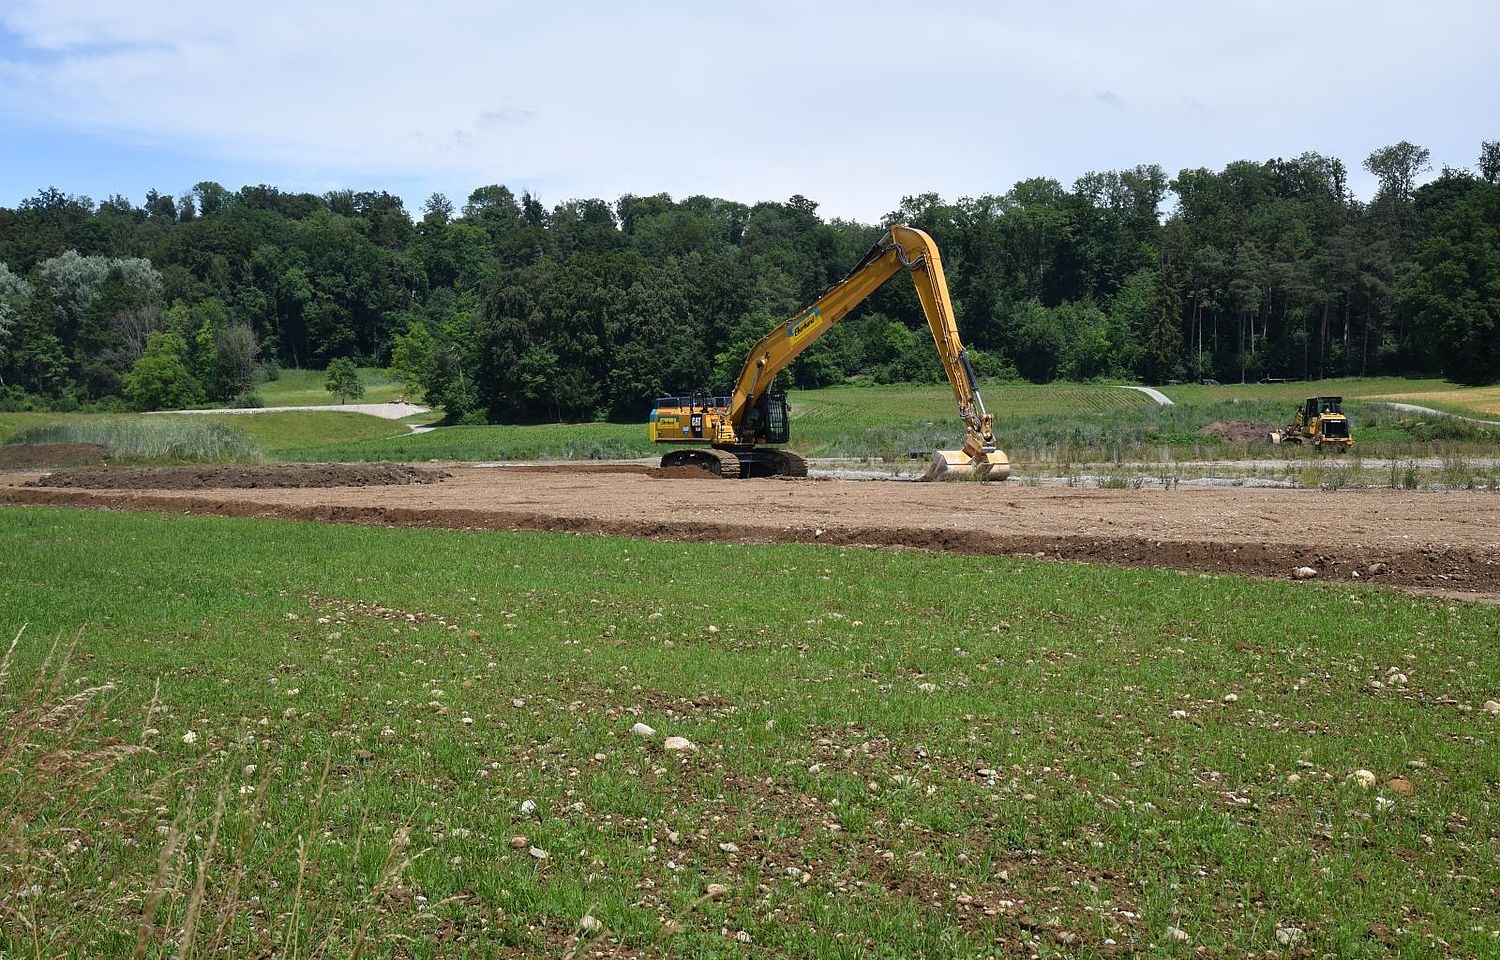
48,456
1437,542
240,476
1238,431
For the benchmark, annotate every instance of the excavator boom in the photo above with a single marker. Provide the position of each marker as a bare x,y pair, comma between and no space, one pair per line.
750,414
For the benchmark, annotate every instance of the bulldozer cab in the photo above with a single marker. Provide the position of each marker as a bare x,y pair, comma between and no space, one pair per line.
1317,406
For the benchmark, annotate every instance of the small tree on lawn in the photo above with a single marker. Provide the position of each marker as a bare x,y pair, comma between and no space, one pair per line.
343,380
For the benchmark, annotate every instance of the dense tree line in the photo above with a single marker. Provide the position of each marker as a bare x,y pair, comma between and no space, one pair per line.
505,309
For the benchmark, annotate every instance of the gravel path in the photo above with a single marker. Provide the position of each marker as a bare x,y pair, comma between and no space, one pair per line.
1161,398
1414,408
386,411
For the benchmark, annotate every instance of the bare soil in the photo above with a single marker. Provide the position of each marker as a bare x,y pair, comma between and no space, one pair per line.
240,476
46,456
1436,542
1238,431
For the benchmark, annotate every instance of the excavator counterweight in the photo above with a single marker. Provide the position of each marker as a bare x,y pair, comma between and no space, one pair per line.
737,427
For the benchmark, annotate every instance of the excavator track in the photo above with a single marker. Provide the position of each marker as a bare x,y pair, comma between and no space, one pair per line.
721,463
789,464
732,465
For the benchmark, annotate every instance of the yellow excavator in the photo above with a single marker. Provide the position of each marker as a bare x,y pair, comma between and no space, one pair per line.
738,429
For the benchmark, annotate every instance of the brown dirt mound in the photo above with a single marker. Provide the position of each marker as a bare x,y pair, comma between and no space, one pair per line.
1238,431
241,476
635,469
43,456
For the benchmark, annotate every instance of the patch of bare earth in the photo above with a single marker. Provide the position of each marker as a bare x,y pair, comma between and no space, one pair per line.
47,456
1438,542
1238,431
240,476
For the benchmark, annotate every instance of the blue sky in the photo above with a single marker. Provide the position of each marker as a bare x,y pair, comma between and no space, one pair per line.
851,104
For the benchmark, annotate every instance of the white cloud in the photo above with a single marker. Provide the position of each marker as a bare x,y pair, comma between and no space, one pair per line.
854,104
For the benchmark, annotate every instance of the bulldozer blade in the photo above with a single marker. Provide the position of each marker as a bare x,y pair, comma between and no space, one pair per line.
957,465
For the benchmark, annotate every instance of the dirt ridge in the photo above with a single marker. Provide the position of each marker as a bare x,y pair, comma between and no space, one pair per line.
1431,568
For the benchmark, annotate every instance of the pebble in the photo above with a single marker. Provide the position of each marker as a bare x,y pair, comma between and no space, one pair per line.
679,743
1179,935
927,687
1399,785
1492,707
528,807
589,924
815,768
642,730
716,890
519,842
1288,936
1231,698
537,853
1301,573
1293,778
1364,778
989,773
729,847
1375,569
1179,714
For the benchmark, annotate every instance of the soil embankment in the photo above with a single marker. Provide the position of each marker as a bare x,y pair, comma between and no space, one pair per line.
1437,542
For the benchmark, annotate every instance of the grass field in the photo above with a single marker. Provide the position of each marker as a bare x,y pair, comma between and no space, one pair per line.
305,388
323,741
1349,388
1470,401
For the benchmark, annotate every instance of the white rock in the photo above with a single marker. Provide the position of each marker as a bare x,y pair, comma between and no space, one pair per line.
641,730
926,687
190,737
589,924
815,768
1288,936
716,890
1364,778
1492,707
679,743
729,847
1179,714
1293,778
988,773
537,853
1179,935
1231,698
1301,573
528,807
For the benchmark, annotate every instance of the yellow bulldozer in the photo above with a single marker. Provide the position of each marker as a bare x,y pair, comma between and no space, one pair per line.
1321,422
731,436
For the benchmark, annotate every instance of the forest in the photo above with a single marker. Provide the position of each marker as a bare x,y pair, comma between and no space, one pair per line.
505,310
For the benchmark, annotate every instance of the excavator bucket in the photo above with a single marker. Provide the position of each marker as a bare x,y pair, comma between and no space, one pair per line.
957,465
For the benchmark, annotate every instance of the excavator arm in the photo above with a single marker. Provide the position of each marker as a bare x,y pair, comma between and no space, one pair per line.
900,248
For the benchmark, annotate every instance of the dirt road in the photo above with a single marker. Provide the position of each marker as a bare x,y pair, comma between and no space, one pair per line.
1440,542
